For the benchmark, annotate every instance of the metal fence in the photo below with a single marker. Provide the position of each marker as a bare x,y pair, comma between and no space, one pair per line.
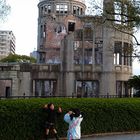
99,96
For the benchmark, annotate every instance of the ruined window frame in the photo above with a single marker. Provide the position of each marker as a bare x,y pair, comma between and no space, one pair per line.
118,53
61,8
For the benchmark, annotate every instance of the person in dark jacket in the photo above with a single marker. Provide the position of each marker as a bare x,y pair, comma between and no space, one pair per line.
52,115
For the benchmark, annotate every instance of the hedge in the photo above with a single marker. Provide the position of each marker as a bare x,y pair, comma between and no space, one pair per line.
23,119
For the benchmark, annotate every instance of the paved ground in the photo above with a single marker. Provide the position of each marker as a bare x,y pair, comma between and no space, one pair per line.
111,137
115,137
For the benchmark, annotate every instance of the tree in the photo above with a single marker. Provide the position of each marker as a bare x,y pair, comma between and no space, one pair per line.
4,9
122,15
124,12
18,58
135,83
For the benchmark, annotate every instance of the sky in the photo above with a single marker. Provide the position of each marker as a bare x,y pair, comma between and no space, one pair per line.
22,20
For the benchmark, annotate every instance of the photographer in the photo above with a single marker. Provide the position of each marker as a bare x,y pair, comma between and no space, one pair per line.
74,119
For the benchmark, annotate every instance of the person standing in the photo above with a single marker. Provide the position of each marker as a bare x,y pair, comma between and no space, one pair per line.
52,115
74,119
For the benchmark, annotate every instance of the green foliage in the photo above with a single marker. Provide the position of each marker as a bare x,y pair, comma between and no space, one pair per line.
18,58
134,82
23,119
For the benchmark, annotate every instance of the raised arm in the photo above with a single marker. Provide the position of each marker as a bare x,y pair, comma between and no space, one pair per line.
67,117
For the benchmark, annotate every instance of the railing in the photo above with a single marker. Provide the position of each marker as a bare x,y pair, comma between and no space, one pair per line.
94,96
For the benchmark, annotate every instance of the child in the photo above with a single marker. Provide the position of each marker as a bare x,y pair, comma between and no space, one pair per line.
74,119
52,115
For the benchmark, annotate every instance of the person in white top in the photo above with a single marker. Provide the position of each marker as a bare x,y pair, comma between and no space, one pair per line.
74,119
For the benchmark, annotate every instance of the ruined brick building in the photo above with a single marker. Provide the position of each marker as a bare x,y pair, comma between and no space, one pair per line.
88,51
78,55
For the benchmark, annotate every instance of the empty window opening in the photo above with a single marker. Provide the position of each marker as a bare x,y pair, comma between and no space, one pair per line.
44,32
71,26
116,58
81,11
5,87
65,8
61,8
74,9
41,31
127,54
87,88
49,8
45,87
41,10
78,10
60,29
57,8
98,56
118,53
46,8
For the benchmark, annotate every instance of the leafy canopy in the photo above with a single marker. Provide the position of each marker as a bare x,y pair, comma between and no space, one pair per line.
134,82
18,58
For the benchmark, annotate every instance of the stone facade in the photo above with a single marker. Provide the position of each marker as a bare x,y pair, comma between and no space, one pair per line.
88,43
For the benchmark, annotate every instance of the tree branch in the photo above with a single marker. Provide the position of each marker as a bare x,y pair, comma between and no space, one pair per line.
123,31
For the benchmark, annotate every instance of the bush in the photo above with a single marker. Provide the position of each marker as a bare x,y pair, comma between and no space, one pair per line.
23,119
137,94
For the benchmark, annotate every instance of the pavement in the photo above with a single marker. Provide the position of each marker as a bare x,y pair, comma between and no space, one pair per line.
114,137
111,136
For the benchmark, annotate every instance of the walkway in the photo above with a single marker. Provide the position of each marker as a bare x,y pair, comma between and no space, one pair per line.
115,137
